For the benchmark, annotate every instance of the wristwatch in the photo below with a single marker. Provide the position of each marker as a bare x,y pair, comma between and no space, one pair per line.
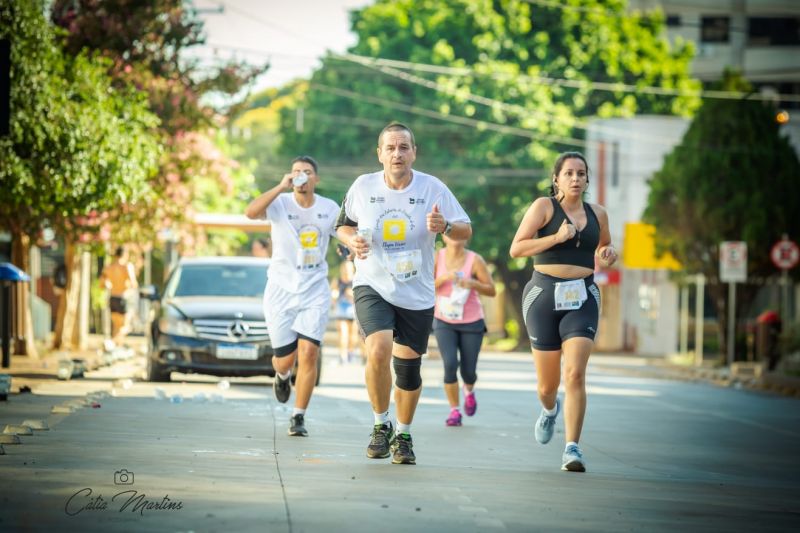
448,227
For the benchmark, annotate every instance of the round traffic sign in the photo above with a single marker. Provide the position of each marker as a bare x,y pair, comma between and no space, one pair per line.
785,254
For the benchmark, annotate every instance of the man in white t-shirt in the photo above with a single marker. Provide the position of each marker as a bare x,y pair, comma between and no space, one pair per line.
390,219
297,298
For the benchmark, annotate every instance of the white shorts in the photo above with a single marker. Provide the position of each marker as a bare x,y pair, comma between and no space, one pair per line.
288,314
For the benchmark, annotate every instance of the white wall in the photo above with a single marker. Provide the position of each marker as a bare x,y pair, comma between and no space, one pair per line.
648,321
642,142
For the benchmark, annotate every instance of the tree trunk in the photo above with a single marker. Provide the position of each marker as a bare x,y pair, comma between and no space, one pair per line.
514,281
66,334
745,295
20,256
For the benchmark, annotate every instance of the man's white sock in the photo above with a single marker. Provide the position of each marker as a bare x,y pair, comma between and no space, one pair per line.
381,418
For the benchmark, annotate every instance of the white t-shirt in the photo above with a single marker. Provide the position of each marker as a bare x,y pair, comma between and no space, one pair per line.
400,267
300,239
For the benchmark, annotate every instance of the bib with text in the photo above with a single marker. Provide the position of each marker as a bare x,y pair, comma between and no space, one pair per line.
404,265
309,255
570,295
452,307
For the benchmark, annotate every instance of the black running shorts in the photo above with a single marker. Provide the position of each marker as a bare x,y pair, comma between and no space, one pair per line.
548,328
410,327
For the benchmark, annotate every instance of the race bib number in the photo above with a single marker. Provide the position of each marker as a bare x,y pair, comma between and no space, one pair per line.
451,310
405,265
308,259
570,295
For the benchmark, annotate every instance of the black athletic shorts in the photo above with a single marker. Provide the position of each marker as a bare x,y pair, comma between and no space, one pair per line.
118,304
548,328
410,327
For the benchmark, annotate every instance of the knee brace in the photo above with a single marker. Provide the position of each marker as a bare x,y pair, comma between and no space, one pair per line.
407,372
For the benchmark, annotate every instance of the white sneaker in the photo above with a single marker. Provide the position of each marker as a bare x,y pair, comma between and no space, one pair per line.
572,459
546,425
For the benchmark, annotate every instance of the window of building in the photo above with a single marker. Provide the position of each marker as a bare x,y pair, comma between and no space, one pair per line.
673,20
773,31
715,29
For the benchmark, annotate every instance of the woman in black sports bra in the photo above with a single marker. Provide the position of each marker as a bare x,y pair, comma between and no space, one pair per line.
561,303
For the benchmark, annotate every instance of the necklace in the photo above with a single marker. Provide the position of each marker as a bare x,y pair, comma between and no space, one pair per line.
577,231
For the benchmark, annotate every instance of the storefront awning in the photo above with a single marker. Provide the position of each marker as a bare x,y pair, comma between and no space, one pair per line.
228,221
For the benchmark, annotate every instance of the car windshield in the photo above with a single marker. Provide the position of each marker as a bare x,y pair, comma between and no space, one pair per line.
218,280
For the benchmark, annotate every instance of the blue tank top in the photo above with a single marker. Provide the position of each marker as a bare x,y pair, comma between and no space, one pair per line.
579,250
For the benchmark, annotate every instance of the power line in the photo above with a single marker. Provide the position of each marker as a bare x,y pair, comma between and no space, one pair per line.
510,130
479,124
513,108
562,82
286,31
544,80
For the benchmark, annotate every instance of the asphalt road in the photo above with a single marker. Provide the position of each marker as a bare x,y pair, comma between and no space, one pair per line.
661,456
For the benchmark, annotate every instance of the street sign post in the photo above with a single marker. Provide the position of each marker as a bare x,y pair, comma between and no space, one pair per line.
785,255
733,262
732,270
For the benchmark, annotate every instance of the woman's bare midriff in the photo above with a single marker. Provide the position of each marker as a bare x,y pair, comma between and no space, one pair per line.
565,271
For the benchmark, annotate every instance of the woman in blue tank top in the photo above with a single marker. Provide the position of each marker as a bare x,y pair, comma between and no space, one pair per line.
561,303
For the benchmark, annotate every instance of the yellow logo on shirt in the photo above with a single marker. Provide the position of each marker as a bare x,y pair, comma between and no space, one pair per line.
309,239
394,230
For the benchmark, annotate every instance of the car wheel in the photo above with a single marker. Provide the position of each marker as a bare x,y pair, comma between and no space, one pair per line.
156,373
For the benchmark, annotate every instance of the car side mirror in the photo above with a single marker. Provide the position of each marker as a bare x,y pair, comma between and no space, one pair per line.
149,292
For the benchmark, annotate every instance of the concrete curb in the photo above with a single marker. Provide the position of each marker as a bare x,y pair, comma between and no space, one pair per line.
742,375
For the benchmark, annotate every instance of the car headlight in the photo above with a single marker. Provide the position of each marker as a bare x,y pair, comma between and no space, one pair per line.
175,324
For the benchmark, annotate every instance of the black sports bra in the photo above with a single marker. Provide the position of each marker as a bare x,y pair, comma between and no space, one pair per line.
579,250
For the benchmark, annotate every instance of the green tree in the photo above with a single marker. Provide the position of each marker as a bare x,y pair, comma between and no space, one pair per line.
146,42
528,79
733,177
78,146
256,129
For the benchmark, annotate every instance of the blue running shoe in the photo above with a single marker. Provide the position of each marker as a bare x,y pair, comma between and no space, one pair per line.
546,425
572,459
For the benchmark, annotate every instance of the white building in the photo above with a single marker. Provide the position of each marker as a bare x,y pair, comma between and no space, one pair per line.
761,38
639,302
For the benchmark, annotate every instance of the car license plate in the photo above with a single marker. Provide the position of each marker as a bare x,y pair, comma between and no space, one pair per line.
237,351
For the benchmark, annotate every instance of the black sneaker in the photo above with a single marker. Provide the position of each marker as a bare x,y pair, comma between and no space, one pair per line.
382,438
297,426
403,450
282,388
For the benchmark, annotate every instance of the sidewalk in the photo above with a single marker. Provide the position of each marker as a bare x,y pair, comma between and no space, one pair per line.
751,376
91,358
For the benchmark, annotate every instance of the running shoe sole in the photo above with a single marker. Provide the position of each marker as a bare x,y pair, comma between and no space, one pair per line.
282,392
374,455
574,466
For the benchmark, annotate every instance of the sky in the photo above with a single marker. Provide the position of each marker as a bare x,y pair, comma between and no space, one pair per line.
292,35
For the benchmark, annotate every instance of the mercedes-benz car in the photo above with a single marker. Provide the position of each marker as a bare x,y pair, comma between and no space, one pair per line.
210,319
